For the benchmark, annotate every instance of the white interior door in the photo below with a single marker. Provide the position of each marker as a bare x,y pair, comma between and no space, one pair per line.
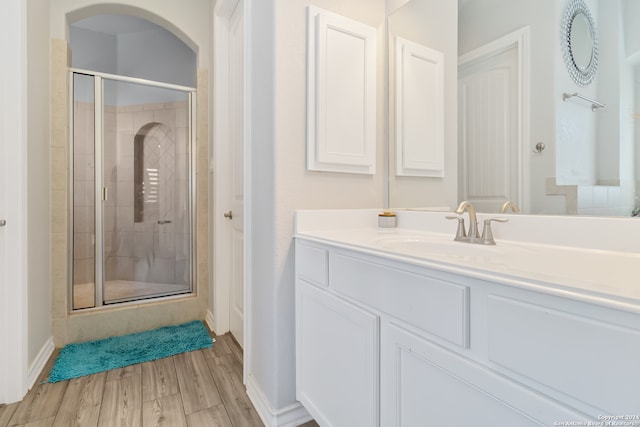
488,130
13,204
236,162
13,280
4,320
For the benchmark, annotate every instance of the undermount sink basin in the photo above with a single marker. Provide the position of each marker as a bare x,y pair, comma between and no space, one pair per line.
438,246
542,261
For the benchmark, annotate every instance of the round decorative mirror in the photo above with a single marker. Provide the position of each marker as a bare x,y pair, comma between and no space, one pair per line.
579,40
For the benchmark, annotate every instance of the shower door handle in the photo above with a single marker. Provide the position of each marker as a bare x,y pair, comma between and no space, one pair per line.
3,222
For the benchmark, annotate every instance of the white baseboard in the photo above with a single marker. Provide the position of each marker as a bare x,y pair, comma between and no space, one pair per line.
210,321
40,361
289,416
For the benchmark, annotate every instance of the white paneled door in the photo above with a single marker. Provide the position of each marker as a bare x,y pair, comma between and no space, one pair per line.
488,130
236,161
4,320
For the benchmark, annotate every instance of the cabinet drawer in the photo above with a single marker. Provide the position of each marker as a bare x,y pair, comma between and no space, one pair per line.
585,358
311,263
438,307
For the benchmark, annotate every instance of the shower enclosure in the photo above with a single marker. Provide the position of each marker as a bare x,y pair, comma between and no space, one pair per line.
132,186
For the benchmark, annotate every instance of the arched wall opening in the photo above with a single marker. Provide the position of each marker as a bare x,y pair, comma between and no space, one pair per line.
189,24
188,21
84,13
131,46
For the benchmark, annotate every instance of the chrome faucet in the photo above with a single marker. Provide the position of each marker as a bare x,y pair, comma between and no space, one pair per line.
473,221
509,205
473,236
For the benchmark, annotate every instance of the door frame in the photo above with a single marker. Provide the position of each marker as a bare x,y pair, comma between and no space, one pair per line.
520,39
220,238
13,268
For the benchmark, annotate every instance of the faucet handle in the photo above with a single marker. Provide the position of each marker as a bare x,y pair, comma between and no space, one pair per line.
487,233
460,232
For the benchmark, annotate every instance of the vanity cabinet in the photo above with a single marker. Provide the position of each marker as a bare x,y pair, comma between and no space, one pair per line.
337,348
384,341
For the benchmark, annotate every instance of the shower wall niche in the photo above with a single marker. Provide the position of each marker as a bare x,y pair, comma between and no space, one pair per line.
132,187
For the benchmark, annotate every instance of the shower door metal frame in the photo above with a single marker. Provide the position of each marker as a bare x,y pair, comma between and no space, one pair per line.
100,190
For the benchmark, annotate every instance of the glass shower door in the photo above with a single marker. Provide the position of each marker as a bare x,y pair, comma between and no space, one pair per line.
132,204
147,214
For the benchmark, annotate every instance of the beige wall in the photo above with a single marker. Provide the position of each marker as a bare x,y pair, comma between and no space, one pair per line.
38,258
98,323
280,182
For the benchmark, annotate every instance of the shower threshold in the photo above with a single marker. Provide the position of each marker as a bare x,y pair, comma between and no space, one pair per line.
123,290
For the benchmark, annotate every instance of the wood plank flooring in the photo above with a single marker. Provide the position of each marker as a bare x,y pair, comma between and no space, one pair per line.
200,388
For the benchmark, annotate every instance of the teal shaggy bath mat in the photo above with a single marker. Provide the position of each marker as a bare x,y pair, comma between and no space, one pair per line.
86,358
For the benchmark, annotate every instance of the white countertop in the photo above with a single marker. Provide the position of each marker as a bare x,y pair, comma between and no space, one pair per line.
603,276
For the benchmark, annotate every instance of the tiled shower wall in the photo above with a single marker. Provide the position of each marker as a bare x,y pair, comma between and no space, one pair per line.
134,251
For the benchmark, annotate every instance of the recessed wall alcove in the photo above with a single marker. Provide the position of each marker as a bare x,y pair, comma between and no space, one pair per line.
124,226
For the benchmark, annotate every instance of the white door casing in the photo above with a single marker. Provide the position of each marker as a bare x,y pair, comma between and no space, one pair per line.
493,84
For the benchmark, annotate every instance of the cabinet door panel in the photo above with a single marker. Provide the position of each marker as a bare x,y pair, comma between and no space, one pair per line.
584,357
336,359
422,384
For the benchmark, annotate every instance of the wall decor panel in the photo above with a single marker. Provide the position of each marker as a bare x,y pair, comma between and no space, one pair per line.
341,94
419,110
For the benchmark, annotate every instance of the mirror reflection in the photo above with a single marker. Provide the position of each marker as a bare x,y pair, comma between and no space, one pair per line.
508,105
581,41
422,30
